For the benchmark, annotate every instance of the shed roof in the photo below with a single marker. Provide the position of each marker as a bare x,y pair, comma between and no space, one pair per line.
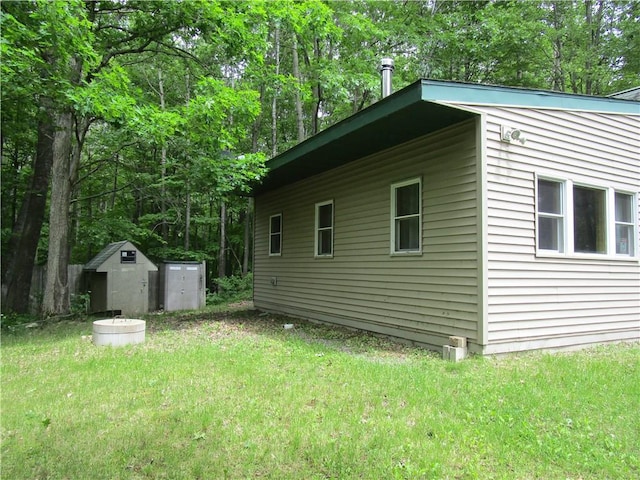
418,109
105,254
630,94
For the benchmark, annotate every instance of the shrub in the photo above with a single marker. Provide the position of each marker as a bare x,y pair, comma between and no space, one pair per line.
11,321
232,289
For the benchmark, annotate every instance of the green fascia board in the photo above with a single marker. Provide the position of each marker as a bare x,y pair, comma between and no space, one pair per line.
477,94
396,119
380,110
423,107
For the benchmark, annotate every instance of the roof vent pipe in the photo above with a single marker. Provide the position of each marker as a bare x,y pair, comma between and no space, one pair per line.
386,68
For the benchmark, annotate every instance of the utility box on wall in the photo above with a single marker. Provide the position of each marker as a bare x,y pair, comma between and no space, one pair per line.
182,285
118,279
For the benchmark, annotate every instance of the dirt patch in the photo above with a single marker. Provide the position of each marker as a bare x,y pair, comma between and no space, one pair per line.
241,319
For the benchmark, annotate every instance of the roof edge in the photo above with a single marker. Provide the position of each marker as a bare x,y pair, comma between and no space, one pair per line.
400,99
481,94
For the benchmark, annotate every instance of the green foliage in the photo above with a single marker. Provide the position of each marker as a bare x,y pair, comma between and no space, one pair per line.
107,96
80,304
232,289
11,322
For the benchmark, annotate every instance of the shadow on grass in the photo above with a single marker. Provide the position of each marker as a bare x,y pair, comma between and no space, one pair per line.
242,319
238,320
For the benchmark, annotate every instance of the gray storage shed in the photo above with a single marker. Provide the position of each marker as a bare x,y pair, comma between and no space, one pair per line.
182,285
118,279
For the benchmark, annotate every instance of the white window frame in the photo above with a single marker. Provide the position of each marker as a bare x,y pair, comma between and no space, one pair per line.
272,234
567,249
562,216
394,217
317,229
633,247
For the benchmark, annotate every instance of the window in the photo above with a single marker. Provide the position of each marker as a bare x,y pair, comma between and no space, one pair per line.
589,220
406,214
582,219
275,234
324,229
550,216
127,256
624,224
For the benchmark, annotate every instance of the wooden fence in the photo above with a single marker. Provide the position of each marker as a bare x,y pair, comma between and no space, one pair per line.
78,286
38,278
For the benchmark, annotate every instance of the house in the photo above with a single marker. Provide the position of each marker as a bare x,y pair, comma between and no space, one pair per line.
506,216
119,278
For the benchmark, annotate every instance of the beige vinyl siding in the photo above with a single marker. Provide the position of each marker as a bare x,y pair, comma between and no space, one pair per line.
423,298
536,301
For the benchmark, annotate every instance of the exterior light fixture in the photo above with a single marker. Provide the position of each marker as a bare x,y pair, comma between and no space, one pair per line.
512,134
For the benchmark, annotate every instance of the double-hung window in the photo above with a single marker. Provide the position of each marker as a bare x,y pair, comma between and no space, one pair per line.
406,216
275,235
624,224
324,229
550,215
584,219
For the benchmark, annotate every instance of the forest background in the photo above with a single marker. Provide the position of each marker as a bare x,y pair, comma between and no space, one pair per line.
147,120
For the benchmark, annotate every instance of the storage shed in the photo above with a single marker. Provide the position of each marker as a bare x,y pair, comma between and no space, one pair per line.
182,285
118,279
507,217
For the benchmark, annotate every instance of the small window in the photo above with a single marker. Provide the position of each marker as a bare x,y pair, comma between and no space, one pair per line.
624,224
550,215
324,229
275,234
589,220
127,256
406,213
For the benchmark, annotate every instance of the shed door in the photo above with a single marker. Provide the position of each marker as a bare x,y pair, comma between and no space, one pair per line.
182,287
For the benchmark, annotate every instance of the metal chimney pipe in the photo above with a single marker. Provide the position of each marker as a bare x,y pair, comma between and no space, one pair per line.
386,68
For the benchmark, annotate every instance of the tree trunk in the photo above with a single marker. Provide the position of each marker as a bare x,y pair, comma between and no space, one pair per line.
222,254
557,73
66,161
255,130
163,169
247,238
187,217
82,127
274,103
187,213
56,290
23,244
316,91
298,101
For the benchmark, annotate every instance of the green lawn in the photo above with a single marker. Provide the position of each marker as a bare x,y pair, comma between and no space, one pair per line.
234,395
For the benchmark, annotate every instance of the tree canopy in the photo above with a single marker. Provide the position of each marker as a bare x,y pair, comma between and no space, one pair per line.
146,120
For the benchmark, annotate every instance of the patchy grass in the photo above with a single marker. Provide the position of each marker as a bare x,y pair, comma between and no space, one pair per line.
231,394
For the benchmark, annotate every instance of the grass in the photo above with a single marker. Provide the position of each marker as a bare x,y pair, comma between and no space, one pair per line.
231,394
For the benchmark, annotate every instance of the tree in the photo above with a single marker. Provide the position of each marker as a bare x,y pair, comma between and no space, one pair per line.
42,41
143,30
